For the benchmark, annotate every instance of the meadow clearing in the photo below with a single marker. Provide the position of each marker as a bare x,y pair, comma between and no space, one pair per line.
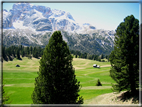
19,81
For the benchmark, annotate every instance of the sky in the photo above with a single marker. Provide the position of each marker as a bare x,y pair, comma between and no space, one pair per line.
105,16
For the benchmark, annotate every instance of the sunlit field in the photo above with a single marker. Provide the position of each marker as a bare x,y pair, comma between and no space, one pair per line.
19,81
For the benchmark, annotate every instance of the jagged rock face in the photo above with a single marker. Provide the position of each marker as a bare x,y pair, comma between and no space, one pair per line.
33,25
92,27
27,15
35,16
7,22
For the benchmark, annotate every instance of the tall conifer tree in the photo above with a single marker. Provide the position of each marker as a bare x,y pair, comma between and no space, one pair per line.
56,82
125,56
18,53
4,54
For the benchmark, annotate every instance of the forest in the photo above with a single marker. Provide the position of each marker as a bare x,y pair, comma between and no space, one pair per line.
11,52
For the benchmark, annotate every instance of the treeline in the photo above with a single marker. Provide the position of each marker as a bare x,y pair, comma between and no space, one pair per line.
9,53
85,55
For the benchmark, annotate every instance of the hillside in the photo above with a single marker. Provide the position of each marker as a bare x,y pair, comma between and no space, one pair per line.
19,81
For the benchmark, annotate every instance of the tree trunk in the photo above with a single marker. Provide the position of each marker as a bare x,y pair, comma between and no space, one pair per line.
132,79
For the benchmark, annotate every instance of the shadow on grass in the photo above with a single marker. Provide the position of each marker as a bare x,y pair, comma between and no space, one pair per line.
19,58
126,96
10,58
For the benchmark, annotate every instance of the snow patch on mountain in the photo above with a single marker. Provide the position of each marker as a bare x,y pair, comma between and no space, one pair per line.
38,14
19,25
5,13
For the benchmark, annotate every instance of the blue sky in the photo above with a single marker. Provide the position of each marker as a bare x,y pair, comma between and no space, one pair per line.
102,15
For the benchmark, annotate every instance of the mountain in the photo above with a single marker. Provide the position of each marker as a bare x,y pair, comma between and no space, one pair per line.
33,25
39,18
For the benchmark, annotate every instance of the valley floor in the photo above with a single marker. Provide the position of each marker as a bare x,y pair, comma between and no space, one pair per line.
19,81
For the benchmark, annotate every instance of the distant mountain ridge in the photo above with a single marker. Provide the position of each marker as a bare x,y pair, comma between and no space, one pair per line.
29,24
40,18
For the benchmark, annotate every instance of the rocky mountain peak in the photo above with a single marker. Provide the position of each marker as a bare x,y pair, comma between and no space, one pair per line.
21,6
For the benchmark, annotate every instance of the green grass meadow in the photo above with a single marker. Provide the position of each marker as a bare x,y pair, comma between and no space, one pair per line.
19,81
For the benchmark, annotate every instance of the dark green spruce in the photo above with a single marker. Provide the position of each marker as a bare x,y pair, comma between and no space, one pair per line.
125,56
98,83
56,82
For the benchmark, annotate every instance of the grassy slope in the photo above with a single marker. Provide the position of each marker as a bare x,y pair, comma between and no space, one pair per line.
19,81
88,76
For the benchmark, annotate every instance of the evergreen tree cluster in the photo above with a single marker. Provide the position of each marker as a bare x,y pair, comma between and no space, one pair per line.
85,55
9,53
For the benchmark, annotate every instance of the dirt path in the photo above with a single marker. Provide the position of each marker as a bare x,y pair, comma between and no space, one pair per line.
77,67
105,66
109,98
9,85
85,64
96,87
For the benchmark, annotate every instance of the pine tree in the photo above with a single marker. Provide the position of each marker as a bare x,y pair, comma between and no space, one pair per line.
30,49
102,56
56,82
13,51
4,55
125,56
98,83
23,53
27,51
35,52
18,53
85,55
